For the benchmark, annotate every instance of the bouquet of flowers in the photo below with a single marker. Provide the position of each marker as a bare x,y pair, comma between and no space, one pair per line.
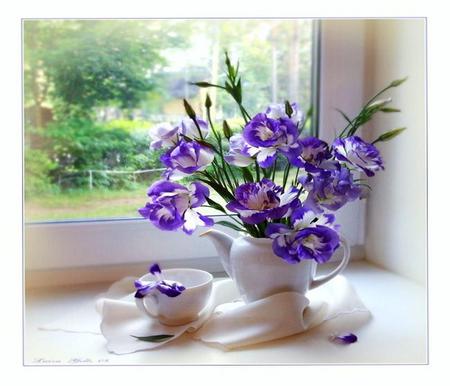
276,181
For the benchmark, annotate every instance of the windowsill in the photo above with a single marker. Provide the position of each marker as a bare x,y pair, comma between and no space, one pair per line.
397,332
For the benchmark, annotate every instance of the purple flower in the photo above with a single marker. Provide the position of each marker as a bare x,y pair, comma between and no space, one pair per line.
186,158
241,152
163,135
311,153
189,129
268,136
260,201
167,287
309,237
331,189
278,110
358,153
172,206
348,338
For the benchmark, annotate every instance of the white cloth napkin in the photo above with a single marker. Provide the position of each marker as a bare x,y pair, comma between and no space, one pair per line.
227,322
238,324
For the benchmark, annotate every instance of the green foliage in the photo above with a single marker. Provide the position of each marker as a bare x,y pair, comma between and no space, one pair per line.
77,146
367,112
128,125
38,167
81,64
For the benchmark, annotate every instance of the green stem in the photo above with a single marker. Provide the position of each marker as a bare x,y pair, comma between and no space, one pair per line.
274,169
258,177
224,163
287,169
351,124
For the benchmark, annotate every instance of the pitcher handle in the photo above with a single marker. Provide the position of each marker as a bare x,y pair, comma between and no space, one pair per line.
152,309
325,278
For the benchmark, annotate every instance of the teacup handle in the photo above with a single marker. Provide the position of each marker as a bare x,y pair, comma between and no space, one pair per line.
152,309
325,278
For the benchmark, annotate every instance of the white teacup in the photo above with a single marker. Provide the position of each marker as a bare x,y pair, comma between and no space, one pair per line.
184,308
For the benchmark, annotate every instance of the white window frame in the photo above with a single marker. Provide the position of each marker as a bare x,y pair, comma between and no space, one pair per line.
69,252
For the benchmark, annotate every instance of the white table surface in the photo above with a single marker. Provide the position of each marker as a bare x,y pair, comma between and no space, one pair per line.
397,332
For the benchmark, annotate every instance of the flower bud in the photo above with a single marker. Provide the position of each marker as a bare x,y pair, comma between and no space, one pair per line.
189,110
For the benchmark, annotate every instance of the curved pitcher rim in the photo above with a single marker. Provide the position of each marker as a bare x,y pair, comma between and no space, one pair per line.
255,240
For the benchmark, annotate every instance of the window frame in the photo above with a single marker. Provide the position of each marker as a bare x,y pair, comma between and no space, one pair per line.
106,249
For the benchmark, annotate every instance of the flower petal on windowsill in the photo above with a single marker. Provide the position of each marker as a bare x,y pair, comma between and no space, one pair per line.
347,338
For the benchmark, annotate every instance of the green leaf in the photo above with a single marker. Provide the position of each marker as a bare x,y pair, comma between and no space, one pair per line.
230,225
153,338
390,110
218,188
215,205
398,82
248,176
345,117
389,135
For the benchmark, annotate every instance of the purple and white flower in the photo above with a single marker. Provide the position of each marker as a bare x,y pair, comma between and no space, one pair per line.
186,158
312,152
189,129
330,190
278,110
269,136
358,153
241,152
260,201
167,287
172,206
309,237
163,135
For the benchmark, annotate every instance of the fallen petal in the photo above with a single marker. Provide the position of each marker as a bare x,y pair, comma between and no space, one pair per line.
345,338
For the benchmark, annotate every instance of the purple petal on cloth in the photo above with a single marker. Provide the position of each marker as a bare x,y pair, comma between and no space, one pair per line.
348,338
155,269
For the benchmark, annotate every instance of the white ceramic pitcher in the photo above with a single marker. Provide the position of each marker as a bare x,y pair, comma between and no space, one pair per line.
259,273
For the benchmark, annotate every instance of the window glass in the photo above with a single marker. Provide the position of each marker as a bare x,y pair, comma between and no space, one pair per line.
94,88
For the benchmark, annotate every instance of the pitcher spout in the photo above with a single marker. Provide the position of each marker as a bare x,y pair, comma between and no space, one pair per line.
223,243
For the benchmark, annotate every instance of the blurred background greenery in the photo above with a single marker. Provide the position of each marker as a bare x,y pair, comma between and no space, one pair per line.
93,89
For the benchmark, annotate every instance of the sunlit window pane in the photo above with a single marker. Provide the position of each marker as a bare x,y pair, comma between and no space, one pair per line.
93,89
